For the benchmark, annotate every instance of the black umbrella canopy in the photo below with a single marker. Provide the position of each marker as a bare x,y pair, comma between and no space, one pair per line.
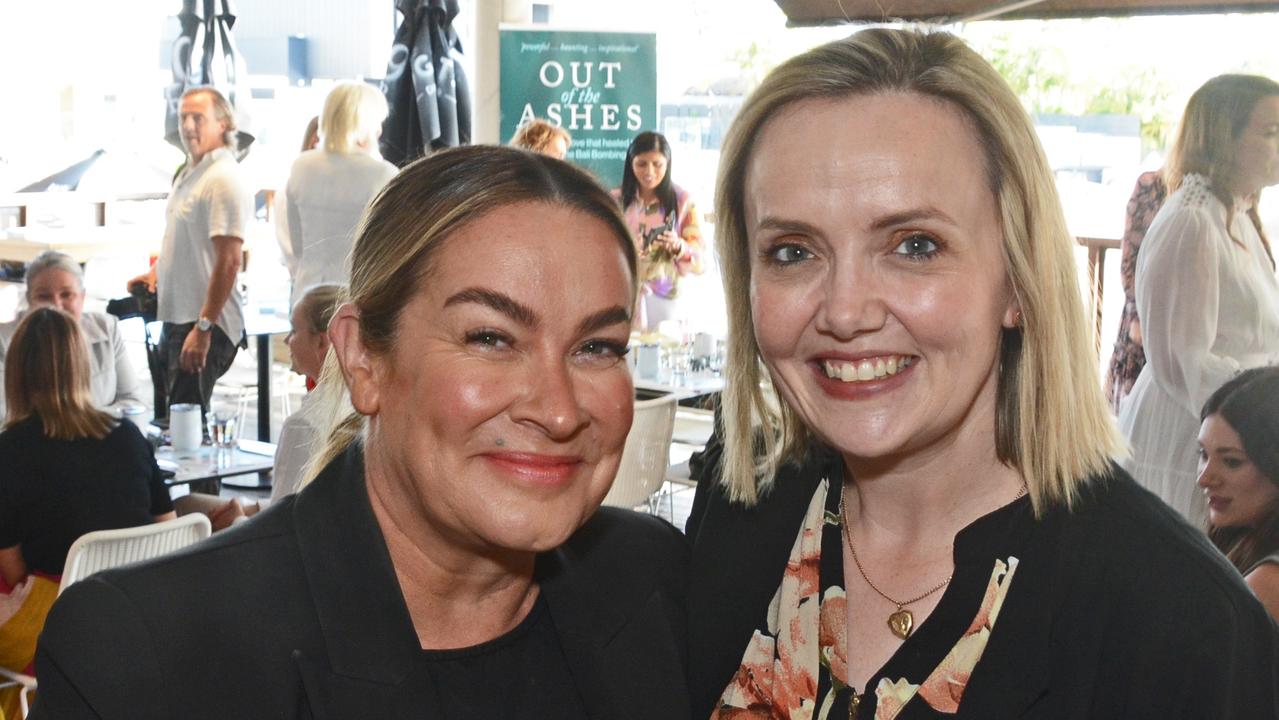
425,85
204,54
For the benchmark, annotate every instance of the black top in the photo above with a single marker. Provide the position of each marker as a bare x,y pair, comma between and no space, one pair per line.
297,613
521,674
54,491
1117,609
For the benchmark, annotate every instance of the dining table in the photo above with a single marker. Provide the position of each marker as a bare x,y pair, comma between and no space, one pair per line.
205,468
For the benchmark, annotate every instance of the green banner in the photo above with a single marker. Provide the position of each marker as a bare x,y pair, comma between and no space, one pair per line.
600,86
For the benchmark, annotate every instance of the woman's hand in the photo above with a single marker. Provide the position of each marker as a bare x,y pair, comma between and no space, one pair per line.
222,517
671,243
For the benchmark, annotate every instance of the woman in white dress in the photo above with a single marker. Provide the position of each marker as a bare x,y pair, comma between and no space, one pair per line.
1206,288
54,279
329,187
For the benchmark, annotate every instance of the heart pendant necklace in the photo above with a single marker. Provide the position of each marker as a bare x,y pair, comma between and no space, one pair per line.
901,622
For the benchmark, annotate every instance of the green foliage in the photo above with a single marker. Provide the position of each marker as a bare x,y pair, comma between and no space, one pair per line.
1036,73
1040,76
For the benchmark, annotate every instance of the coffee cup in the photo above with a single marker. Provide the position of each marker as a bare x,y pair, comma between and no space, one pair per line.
185,428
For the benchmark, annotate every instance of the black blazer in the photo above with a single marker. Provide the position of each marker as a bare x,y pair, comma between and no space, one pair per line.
297,614
1119,609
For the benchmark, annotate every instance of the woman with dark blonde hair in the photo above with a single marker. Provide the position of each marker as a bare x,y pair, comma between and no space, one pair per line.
1239,475
914,510
541,136
68,467
450,559
1206,294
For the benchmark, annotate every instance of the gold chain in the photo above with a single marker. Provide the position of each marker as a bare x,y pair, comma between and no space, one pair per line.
848,537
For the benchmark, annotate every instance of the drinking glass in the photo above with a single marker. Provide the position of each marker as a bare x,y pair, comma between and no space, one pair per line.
223,424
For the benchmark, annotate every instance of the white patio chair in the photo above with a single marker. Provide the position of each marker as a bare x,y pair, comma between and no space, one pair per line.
26,686
648,446
103,549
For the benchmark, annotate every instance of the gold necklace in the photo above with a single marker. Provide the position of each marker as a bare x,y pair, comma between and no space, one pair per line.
901,621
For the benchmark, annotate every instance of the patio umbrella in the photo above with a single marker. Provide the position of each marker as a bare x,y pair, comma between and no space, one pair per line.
204,54
425,85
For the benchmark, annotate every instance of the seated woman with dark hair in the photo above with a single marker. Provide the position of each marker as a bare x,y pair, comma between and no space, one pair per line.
1239,475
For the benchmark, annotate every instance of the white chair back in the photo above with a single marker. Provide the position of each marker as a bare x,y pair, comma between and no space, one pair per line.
103,549
25,687
647,454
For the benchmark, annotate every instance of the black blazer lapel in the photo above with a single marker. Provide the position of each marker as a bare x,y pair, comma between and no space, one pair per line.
620,630
366,625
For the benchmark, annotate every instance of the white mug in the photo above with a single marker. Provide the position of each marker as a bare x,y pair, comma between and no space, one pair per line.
184,427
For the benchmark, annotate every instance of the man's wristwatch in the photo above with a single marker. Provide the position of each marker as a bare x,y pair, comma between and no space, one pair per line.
204,324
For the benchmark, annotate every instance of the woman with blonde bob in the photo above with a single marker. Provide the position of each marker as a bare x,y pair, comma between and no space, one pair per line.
450,559
914,508
330,186
1206,290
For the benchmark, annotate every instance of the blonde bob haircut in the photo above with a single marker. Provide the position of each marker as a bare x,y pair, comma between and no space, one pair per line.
352,118
47,375
1052,422
538,134
1208,138
408,225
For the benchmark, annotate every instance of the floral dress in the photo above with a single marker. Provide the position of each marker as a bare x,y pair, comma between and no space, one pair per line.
795,666
1128,359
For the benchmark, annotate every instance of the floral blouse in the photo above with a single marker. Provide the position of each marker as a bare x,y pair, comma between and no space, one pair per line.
796,666
660,272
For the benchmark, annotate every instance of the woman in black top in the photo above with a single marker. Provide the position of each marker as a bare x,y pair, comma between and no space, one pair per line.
450,560
66,467
925,519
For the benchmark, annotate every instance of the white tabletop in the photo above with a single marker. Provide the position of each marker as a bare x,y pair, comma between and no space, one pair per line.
210,463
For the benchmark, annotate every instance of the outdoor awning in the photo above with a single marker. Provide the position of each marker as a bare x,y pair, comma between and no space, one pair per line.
834,12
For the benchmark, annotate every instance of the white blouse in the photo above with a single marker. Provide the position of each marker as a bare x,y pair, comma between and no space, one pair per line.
324,199
299,441
1208,300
